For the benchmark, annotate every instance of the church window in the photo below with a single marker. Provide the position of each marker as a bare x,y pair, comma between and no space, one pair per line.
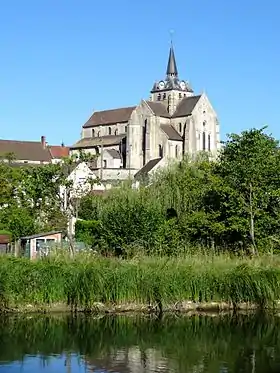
203,140
110,131
160,151
98,133
125,129
116,132
164,96
209,142
159,97
92,132
180,95
105,163
180,128
176,151
185,95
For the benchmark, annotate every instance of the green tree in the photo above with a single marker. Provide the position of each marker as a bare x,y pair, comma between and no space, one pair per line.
249,168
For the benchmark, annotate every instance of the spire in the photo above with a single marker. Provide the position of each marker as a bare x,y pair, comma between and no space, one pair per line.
171,66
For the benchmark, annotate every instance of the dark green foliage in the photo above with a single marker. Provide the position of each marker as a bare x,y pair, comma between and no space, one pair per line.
88,231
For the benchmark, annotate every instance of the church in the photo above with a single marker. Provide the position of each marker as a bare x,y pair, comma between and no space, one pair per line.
132,141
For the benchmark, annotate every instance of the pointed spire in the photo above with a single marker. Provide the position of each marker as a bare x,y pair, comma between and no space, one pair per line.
171,66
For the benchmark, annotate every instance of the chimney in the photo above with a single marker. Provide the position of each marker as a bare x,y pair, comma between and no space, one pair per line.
43,141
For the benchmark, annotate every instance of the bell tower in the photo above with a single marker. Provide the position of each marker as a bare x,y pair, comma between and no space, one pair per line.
171,90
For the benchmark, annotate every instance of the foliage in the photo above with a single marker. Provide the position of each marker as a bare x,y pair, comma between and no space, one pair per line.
87,231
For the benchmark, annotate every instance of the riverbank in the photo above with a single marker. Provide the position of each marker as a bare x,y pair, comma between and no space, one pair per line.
148,284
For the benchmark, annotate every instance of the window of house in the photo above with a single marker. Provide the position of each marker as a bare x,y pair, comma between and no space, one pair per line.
160,151
209,142
176,151
92,133
110,131
116,132
105,163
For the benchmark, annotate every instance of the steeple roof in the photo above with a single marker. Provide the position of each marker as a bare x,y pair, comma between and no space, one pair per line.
171,66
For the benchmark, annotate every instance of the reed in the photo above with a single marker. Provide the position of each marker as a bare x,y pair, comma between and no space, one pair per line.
159,281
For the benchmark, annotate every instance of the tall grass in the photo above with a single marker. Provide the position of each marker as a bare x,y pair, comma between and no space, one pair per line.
149,280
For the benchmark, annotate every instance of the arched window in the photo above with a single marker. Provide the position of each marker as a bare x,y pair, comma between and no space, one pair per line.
160,151
110,131
92,132
116,132
180,128
209,142
98,133
125,129
159,97
164,96
180,95
176,151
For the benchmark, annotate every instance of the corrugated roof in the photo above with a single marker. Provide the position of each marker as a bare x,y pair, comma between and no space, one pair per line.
25,150
171,133
186,106
159,109
147,168
109,117
89,142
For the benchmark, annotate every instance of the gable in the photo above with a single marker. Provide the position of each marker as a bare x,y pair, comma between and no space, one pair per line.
109,117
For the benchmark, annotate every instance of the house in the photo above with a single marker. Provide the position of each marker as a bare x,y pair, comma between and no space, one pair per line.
172,122
58,152
31,245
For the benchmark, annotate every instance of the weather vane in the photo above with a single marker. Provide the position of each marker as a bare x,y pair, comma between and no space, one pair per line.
171,32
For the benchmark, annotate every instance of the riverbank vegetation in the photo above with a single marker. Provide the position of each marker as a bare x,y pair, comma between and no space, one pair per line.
231,204
144,283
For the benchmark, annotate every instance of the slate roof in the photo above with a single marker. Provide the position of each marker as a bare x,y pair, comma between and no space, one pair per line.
147,168
171,133
120,115
159,109
186,106
114,153
89,142
25,150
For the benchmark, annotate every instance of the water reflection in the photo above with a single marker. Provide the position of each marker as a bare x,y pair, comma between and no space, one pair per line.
140,344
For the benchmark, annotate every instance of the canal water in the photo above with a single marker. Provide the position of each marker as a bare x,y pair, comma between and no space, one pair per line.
140,344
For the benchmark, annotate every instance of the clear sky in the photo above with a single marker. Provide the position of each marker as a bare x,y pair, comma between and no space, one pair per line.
62,59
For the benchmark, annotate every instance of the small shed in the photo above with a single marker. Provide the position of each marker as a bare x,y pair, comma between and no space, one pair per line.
5,243
31,245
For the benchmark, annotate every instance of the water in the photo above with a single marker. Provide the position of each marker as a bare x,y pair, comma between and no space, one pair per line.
140,344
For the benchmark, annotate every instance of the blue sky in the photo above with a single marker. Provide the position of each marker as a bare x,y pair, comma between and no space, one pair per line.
62,59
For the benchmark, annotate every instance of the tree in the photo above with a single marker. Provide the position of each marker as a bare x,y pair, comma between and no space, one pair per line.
249,168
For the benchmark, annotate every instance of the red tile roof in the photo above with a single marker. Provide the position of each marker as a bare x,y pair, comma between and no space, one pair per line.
59,151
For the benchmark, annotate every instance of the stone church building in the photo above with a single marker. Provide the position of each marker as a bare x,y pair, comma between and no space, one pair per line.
133,140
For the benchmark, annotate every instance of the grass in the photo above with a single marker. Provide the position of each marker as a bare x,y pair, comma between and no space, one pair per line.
160,281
